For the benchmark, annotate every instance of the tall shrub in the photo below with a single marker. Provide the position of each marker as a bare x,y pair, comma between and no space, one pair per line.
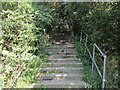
18,39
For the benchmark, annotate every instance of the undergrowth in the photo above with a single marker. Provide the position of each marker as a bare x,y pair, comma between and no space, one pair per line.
92,79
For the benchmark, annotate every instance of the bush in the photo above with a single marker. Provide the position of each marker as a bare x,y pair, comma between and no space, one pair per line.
18,42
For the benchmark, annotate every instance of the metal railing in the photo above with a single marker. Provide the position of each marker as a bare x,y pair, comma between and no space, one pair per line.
92,56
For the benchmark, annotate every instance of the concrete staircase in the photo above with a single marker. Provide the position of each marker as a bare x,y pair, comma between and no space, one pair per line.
64,70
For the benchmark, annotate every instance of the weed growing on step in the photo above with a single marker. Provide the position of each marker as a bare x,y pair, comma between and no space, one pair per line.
68,85
42,87
51,72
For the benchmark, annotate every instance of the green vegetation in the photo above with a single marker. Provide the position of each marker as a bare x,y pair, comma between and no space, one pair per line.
100,22
28,26
93,79
43,87
69,85
51,72
22,44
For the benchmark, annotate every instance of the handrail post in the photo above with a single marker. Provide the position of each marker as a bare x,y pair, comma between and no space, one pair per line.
85,44
93,57
104,69
81,37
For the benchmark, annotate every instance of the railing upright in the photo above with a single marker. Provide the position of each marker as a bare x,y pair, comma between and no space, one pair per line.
81,38
93,58
85,43
104,69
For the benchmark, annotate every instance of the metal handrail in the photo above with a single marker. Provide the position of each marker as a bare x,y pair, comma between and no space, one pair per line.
92,56
104,66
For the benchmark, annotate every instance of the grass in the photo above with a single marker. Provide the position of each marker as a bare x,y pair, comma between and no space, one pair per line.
68,65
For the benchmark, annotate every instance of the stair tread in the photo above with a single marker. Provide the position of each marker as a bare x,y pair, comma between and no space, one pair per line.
71,68
61,74
62,55
65,45
61,83
63,63
75,59
62,58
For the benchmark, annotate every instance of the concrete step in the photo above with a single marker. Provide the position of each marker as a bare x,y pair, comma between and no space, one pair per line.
65,64
64,60
60,76
61,69
61,83
62,53
61,50
61,46
62,56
